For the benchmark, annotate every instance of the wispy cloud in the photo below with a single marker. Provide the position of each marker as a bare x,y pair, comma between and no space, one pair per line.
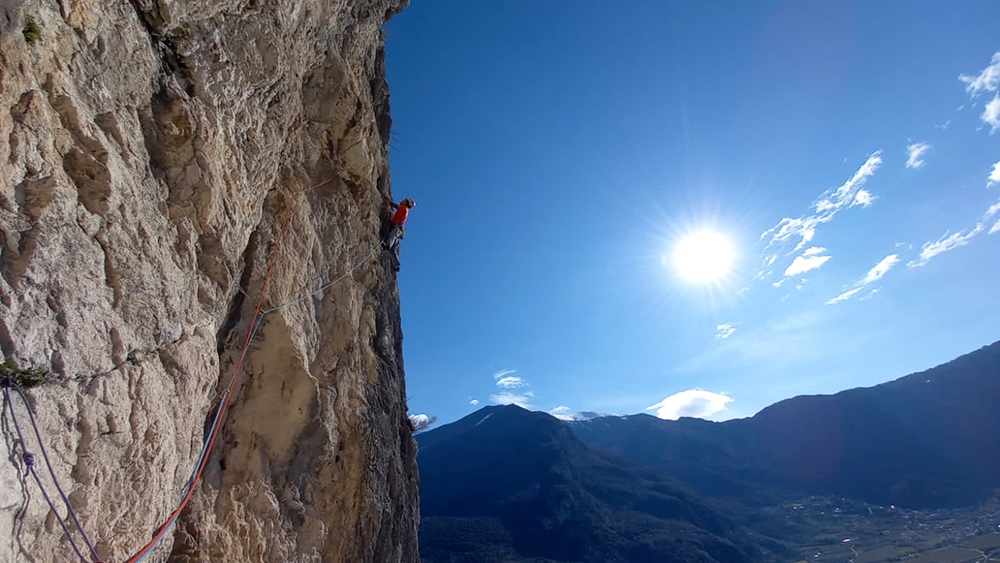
880,269
994,176
993,210
724,331
915,153
944,125
873,275
506,380
562,413
507,398
844,296
991,114
870,294
802,230
951,241
803,264
510,382
421,421
696,403
987,81
474,402
944,244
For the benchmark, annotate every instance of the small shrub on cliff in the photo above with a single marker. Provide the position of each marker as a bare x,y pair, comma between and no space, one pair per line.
24,378
31,31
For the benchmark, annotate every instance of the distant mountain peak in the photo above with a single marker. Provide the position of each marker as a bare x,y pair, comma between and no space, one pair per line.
583,415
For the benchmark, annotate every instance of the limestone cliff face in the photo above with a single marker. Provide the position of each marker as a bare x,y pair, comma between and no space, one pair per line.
155,147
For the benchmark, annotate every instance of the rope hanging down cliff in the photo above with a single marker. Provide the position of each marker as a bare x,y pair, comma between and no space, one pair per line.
258,318
29,462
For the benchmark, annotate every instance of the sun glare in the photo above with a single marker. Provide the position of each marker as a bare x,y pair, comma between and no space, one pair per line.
703,256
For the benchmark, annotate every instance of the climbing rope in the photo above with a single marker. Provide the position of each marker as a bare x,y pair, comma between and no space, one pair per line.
258,318
29,462
323,288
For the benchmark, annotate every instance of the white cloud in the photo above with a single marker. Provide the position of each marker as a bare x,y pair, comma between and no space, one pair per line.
873,275
944,244
474,402
508,398
864,198
510,381
505,380
696,403
724,331
991,114
831,202
421,421
988,79
880,269
560,412
993,210
503,372
994,176
915,155
847,195
943,125
814,250
803,264
844,296
871,294
951,241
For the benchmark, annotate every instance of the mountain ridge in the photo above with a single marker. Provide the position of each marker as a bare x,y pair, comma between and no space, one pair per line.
928,420
909,442
539,492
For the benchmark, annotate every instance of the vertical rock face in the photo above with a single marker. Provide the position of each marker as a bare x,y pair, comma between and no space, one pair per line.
154,150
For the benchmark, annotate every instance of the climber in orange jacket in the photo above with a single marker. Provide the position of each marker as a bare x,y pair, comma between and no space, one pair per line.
397,231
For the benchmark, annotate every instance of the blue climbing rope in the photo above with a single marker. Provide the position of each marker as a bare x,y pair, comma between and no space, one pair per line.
29,462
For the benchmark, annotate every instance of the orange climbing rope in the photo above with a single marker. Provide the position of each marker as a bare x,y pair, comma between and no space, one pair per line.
254,325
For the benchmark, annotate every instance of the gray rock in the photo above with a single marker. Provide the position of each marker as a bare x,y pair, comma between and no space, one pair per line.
155,148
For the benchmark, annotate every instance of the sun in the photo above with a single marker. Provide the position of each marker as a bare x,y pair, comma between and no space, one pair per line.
703,256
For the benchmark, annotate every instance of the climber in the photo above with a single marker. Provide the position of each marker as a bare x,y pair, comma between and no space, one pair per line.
397,231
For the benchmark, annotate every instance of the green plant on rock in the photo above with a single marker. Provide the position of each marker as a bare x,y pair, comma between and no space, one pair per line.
24,378
31,31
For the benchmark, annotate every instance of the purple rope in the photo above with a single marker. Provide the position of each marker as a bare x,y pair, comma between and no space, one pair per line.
29,461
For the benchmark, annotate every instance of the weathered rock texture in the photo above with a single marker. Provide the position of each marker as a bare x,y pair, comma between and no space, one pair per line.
154,146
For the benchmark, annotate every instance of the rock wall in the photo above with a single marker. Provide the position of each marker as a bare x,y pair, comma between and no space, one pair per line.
155,148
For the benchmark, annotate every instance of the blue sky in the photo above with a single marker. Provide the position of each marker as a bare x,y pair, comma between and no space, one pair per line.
558,152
